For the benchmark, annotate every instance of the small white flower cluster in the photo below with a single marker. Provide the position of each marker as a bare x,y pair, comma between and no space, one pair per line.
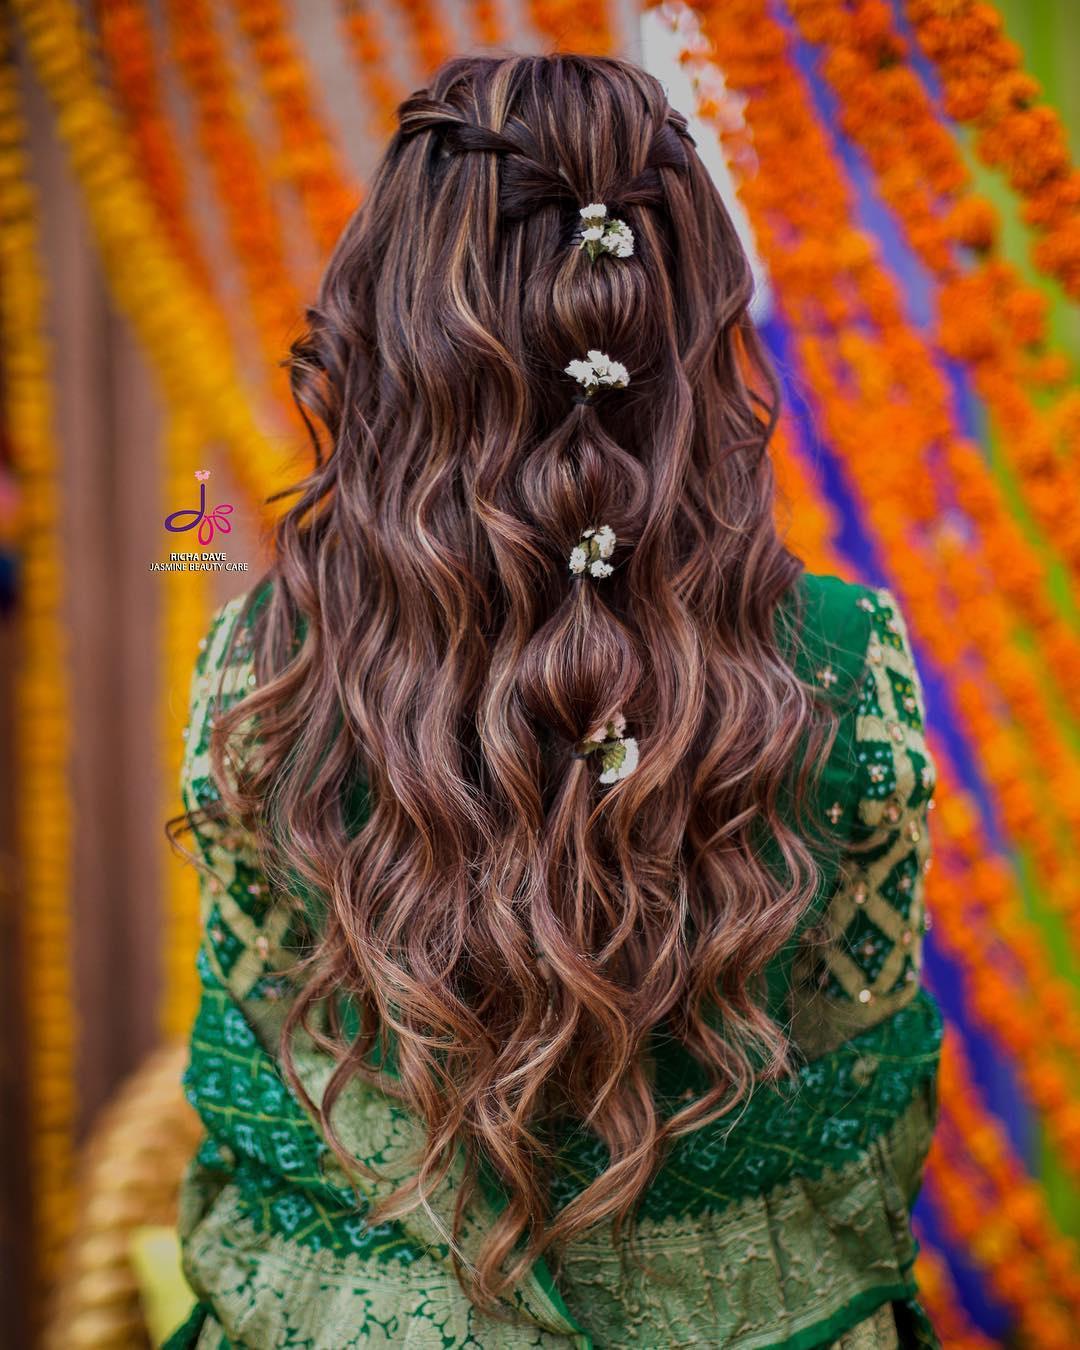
595,546
601,235
598,370
618,752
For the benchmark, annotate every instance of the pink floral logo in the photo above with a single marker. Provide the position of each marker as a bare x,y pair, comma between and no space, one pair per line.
206,522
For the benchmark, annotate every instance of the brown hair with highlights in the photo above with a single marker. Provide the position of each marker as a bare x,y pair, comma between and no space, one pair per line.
518,929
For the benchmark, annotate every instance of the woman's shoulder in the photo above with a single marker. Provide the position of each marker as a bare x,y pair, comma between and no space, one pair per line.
240,611
825,625
226,646
837,628
835,607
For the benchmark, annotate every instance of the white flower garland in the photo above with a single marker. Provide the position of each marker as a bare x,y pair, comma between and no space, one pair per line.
589,554
601,235
597,371
618,752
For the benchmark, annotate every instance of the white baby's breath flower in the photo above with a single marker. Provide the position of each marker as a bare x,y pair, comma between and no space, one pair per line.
616,375
582,371
608,371
596,544
605,538
617,238
602,235
598,370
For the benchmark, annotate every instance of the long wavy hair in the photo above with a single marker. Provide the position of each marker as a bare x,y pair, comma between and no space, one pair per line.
516,927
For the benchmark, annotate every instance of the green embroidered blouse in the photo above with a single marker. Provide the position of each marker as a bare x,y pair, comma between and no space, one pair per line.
787,1227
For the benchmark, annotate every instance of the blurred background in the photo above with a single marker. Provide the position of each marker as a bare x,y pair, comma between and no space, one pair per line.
173,174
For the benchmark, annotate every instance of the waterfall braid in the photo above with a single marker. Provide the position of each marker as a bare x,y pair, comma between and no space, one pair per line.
517,926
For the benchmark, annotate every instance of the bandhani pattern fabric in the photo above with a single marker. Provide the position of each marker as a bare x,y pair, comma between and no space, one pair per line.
788,1226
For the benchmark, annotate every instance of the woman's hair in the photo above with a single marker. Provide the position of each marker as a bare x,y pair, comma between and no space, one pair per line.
517,928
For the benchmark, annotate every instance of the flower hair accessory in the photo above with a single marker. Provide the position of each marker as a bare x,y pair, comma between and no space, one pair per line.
601,235
598,371
618,753
589,554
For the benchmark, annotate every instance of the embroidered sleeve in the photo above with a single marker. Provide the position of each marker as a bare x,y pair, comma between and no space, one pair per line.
863,960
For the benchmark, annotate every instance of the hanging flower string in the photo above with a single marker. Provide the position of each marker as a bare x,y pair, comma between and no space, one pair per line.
598,371
884,356
601,235
587,558
618,753
41,690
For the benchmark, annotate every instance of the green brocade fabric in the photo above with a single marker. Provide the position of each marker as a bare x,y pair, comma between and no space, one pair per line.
788,1226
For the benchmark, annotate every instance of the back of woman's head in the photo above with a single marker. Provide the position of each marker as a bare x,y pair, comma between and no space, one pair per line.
516,924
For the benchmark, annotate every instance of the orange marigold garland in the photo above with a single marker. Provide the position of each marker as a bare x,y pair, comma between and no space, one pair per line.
987,316
128,47
940,1298
807,517
362,25
998,1213
875,379
1007,981
185,616
311,159
170,315
487,23
127,43
985,85
42,698
829,276
431,42
235,166
574,27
